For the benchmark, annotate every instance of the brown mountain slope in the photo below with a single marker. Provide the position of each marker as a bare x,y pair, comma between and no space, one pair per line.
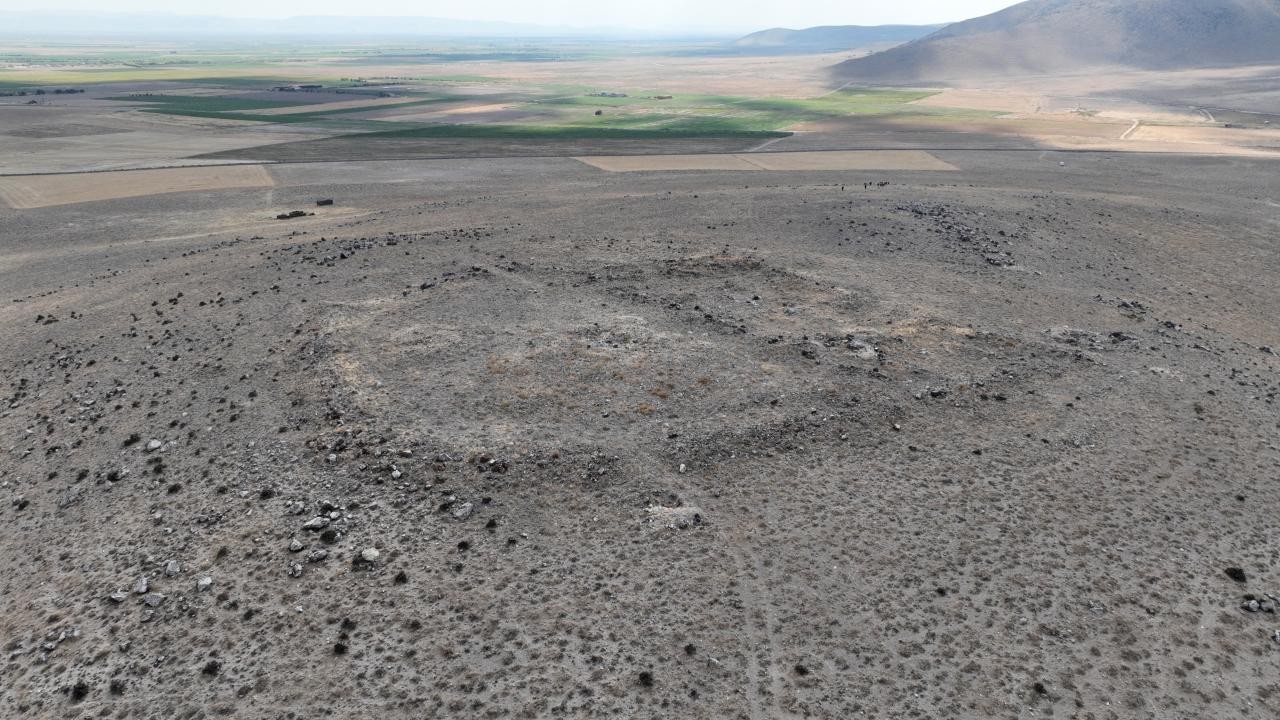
829,38
1053,36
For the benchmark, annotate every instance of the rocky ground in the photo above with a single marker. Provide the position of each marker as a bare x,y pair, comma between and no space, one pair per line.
525,439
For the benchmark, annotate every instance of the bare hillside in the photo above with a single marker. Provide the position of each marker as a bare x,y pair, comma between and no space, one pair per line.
1052,36
830,38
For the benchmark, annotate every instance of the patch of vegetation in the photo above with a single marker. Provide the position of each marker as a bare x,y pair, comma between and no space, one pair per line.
439,78
563,132
179,104
229,108
650,109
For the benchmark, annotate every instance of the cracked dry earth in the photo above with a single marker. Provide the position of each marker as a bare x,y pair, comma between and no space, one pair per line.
534,440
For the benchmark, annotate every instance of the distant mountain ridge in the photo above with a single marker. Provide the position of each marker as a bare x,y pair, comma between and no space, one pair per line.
830,38
148,24
1054,36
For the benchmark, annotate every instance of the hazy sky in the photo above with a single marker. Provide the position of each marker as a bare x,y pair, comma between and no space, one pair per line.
723,14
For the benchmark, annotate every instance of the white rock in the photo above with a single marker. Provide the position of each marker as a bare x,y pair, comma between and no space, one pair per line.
204,583
676,518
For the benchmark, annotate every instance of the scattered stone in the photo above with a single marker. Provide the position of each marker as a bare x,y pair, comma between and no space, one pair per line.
295,545
72,496
204,583
118,596
317,555
862,348
1260,603
316,523
677,518
142,586
367,559
153,599
153,445
172,568
1073,336
463,511
295,570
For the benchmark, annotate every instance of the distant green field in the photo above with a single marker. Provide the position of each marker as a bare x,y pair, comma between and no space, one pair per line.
551,132
179,104
537,110
442,79
242,109
638,116
219,75
708,112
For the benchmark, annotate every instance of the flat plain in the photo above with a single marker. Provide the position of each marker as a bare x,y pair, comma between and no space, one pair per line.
794,402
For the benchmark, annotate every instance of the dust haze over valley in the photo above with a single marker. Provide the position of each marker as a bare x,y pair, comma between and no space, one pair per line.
482,368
